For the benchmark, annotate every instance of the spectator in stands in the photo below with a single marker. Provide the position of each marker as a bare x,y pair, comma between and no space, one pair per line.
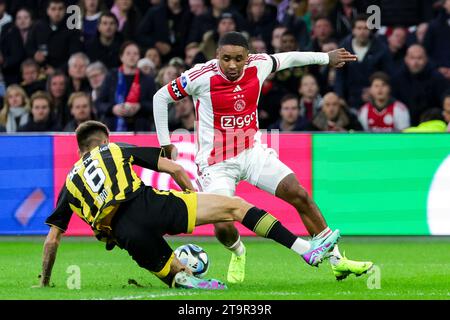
277,33
290,115
190,52
105,45
430,121
334,116
302,26
154,55
184,114
261,20
396,42
420,33
50,42
91,10
383,113
78,81
417,84
128,16
57,90
404,13
166,74
209,21
147,67
166,27
16,108
437,41
81,109
198,7
5,18
208,46
311,100
32,79
42,118
125,102
13,42
96,73
324,74
290,78
322,33
257,45
342,16
446,109
352,81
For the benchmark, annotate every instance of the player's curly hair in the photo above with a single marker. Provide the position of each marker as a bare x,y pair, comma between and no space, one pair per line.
90,134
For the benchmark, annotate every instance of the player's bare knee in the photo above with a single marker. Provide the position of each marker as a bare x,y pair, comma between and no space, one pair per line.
240,208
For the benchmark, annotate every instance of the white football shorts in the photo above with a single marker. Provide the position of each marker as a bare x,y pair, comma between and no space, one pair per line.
258,166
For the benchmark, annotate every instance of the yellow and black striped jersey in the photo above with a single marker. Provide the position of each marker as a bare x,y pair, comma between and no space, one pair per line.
100,180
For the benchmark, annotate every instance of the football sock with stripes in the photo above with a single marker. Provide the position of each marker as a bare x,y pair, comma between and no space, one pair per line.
335,255
267,226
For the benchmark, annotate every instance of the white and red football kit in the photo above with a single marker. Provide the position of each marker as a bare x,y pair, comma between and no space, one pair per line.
394,117
228,147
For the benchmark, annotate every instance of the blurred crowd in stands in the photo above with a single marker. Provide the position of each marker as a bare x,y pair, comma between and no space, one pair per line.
54,76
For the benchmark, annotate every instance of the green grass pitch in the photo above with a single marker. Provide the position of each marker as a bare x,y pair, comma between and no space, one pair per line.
406,268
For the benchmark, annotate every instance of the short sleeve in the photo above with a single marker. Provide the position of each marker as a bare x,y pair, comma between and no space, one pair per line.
60,217
146,157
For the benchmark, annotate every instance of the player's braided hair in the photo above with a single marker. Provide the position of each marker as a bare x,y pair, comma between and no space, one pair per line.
90,133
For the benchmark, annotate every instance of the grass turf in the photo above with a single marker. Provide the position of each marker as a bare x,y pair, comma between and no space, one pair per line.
410,268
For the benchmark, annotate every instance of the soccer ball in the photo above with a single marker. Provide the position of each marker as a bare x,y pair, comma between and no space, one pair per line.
194,257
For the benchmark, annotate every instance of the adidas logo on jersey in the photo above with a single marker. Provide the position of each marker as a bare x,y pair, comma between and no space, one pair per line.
237,89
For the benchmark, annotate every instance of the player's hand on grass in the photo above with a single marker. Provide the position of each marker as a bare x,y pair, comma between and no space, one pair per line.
339,57
171,152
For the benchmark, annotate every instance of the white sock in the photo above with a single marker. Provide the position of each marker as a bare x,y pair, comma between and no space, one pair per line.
325,232
335,256
237,248
301,246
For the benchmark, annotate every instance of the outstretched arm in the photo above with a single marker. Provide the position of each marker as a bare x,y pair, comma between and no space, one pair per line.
50,248
336,58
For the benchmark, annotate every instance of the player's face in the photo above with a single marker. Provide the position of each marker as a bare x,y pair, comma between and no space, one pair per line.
232,60
446,111
380,90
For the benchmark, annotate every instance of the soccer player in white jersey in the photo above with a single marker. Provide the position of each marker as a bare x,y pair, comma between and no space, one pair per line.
225,93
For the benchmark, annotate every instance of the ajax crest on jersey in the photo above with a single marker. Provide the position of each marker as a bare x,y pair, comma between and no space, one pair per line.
194,257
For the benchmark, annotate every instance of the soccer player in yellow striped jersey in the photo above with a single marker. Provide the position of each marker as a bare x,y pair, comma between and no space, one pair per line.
106,193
